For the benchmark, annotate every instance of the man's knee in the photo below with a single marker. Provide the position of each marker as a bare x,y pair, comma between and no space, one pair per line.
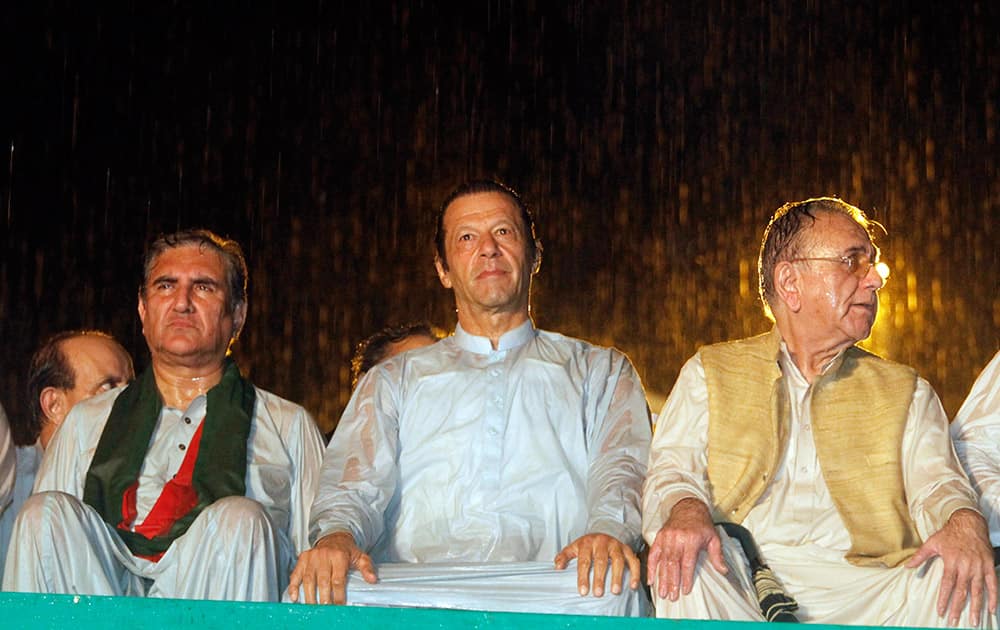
41,510
237,514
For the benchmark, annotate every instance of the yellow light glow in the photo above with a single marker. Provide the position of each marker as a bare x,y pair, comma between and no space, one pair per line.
883,270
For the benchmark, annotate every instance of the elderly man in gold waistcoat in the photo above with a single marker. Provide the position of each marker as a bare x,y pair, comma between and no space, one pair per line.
838,462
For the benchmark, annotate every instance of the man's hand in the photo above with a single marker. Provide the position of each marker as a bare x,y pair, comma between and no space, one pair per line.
964,546
674,553
596,549
323,569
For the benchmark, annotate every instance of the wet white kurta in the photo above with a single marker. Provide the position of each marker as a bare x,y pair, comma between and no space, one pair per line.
795,523
284,451
976,431
459,453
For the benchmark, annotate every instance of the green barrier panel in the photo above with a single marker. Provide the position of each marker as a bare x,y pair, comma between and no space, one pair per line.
78,612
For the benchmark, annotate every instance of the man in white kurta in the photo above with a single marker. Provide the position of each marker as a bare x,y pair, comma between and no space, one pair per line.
257,548
68,367
796,523
462,469
188,483
976,432
27,460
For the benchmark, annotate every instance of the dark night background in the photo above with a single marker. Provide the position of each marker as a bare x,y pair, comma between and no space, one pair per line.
653,140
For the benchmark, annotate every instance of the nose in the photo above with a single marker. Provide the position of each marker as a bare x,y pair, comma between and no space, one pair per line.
182,299
876,276
488,246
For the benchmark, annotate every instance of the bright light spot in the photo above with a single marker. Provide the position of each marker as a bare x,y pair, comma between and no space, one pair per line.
882,270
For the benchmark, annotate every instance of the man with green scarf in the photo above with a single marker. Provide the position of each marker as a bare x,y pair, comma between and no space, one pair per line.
188,483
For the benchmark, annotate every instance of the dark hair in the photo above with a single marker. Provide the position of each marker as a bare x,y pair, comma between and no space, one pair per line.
230,251
480,186
783,237
372,350
49,368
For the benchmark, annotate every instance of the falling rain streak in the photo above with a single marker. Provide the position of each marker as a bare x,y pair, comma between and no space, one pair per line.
652,138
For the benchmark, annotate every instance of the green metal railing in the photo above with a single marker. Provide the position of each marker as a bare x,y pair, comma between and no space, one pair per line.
77,612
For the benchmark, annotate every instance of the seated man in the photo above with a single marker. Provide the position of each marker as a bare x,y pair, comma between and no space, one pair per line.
492,458
389,342
188,483
836,461
976,432
68,367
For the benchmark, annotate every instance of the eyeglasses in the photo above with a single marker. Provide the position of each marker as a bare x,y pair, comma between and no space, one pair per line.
858,264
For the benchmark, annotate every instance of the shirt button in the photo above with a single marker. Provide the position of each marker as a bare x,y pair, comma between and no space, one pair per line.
181,446
492,432
494,372
807,427
187,420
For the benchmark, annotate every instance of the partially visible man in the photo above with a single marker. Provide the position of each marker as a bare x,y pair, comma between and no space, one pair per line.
503,449
188,483
389,342
7,468
976,432
838,462
68,367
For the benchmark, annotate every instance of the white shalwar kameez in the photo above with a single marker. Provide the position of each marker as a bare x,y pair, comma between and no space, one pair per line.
480,465
976,433
7,460
238,548
28,459
795,523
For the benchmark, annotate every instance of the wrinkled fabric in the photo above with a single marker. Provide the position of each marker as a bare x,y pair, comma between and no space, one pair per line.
841,594
7,462
28,460
796,517
534,587
458,453
976,432
230,552
284,452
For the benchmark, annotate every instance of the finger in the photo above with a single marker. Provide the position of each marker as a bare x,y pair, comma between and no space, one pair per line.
339,584
309,587
653,562
293,584
919,557
944,593
563,558
715,556
674,578
688,562
634,568
662,580
583,571
976,599
363,563
600,563
991,588
618,568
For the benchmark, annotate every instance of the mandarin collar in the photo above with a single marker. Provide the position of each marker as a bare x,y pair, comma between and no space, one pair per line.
482,345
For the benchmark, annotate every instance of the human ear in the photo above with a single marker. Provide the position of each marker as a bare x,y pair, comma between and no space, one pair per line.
787,285
53,403
442,272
